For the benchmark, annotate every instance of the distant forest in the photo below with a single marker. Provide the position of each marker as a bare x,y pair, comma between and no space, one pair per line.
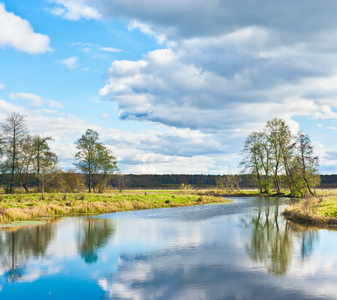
196,181
246,181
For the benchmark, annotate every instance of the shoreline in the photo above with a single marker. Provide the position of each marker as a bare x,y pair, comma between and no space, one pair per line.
317,211
30,207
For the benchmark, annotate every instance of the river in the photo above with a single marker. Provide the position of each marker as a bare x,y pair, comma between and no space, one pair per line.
241,250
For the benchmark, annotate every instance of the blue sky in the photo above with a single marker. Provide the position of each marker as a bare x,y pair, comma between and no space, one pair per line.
172,87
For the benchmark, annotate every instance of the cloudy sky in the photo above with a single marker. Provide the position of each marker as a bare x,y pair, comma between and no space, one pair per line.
171,86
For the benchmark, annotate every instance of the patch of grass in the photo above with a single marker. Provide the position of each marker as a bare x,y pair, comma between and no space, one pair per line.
31,207
22,223
320,210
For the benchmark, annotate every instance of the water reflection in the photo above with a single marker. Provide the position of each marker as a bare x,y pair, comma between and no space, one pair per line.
308,237
273,239
21,246
17,246
93,235
245,250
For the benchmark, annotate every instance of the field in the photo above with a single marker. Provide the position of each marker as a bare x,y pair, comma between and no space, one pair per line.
21,207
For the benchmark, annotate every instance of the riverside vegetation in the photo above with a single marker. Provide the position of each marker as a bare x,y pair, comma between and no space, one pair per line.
275,158
280,160
320,210
19,207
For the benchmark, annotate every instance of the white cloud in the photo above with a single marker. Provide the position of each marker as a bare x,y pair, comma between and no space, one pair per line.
35,100
109,49
134,24
141,151
164,88
74,10
2,86
226,67
17,33
70,63
105,116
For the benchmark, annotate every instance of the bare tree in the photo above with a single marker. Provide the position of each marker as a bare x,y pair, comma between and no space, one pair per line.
308,162
122,181
14,130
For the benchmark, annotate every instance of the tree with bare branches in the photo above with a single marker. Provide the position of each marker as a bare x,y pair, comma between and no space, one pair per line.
14,131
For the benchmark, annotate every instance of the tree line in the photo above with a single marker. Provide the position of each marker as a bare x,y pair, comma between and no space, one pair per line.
23,156
274,159
278,159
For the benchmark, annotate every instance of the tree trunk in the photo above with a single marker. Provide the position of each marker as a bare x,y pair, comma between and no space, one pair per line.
89,177
42,189
13,164
24,185
38,170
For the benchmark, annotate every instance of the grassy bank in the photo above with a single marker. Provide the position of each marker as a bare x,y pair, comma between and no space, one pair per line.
19,207
319,210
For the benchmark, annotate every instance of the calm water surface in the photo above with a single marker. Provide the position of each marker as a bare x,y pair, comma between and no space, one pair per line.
242,250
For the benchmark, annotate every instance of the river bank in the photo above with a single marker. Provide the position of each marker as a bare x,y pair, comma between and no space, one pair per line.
23,207
320,210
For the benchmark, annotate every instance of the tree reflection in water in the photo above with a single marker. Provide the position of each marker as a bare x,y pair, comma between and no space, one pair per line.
273,239
92,236
18,245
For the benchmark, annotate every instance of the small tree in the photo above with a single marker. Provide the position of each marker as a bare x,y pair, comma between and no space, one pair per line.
40,149
47,169
68,182
307,162
25,161
87,154
94,159
73,182
105,167
252,158
279,137
122,181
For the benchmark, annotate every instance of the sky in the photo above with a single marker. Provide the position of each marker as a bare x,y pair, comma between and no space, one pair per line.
172,87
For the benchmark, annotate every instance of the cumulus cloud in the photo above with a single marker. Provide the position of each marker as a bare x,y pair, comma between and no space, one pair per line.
195,18
141,151
17,33
223,67
227,64
70,63
164,88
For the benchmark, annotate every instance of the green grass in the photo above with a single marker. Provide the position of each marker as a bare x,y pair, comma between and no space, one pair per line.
319,210
22,223
19,207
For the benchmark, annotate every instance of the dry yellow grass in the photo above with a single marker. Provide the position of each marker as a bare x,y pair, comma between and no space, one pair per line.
22,207
321,210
